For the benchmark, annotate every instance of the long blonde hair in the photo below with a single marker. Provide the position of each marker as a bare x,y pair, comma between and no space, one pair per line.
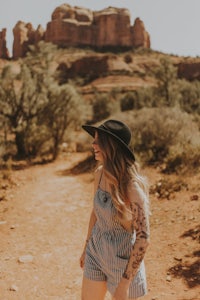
120,169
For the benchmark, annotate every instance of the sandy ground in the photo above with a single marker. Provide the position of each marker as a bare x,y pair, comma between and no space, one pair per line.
43,223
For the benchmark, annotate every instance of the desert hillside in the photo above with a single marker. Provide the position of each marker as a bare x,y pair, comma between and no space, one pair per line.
47,91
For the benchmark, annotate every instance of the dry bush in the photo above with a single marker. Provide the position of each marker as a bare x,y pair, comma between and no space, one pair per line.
189,96
165,188
101,107
128,101
165,136
128,58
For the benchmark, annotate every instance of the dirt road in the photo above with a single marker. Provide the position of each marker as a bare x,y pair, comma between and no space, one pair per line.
43,224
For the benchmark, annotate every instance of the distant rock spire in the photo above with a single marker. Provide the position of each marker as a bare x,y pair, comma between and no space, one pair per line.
24,36
4,53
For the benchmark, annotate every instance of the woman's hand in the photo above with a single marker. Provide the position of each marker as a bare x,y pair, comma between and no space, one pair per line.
82,259
121,292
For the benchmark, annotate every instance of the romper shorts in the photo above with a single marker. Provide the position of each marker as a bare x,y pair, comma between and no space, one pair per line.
109,249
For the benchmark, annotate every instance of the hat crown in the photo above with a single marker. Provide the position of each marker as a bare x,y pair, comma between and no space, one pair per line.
118,129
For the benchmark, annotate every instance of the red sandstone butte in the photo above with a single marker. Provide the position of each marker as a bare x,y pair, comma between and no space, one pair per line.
80,27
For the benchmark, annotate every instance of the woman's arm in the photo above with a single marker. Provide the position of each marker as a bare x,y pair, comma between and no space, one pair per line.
140,221
139,207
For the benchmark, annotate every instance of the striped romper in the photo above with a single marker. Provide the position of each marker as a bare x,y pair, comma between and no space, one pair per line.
109,248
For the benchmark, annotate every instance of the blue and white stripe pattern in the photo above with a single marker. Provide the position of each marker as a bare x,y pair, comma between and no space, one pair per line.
109,249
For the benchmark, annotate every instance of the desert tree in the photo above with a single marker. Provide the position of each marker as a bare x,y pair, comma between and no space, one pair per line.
37,108
64,112
166,76
21,99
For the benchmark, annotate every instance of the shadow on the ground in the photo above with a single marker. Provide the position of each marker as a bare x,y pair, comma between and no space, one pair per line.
17,165
87,165
189,272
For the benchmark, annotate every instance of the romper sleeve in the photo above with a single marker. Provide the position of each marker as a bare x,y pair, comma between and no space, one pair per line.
140,222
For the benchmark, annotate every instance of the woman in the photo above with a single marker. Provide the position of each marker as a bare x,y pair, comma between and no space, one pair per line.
118,232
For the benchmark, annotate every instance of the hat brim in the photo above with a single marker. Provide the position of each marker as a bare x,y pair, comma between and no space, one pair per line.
91,130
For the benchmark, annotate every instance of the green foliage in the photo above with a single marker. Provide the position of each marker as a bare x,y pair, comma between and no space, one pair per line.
143,97
183,157
128,58
169,92
128,101
147,97
189,99
37,109
101,108
166,76
64,110
166,136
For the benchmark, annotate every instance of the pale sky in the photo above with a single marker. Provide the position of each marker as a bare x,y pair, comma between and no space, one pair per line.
173,25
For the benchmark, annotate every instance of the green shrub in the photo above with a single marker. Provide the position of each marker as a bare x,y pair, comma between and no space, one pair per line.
166,77
155,130
128,58
128,101
183,158
165,136
147,97
189,99
101,108
36,109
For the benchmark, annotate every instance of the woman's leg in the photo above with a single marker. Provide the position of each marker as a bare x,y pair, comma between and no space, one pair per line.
93,290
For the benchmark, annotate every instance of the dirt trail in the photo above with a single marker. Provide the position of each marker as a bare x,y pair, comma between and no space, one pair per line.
44,221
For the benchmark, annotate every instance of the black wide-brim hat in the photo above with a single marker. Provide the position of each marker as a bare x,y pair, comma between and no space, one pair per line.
116,129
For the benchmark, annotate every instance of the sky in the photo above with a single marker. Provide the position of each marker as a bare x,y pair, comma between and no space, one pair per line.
173,25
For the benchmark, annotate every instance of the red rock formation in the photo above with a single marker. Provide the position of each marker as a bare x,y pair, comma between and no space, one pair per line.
65,11
20,33
77,26
90,66
39,34
3,48
189,71
24,36
70,26
140,37
112,27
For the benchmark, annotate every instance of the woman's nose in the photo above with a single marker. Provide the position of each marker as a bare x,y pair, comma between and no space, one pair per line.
94,143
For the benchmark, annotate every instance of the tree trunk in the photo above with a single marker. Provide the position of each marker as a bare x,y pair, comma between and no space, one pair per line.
20,144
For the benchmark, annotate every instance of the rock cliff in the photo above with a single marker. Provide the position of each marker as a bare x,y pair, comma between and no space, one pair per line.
80,27
140,37
3,48
189,71
25,35
111,27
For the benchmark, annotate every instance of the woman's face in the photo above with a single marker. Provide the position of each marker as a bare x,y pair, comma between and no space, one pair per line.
96,148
